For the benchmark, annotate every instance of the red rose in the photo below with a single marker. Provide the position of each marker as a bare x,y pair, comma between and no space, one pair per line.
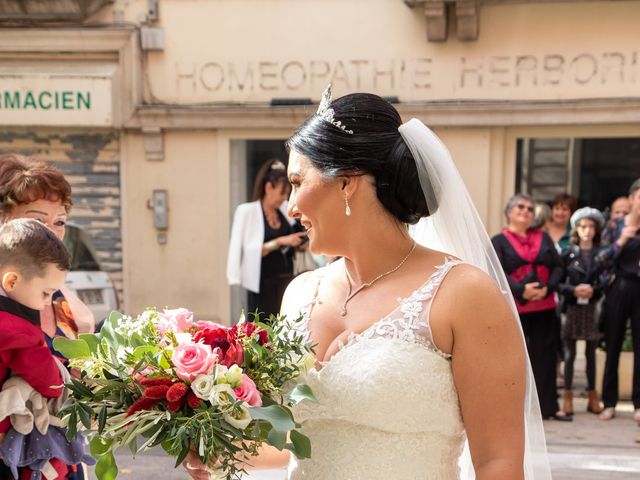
214,337
233,355
263,336
248,328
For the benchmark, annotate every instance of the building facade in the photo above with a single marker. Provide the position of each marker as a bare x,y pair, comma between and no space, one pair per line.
159,112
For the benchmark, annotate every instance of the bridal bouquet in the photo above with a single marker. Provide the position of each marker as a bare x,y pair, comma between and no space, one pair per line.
163,378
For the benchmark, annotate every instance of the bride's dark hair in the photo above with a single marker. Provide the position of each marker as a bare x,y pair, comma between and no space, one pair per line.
375,148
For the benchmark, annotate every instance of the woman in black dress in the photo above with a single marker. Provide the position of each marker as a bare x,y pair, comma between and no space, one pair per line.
263,241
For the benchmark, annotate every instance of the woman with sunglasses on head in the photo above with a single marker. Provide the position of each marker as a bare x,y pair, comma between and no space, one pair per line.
531,262
263,239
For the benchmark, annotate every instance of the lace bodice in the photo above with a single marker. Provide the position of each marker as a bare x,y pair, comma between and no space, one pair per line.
388,407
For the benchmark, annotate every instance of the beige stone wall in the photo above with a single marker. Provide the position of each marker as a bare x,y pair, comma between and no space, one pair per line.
230,52
188,269
255,50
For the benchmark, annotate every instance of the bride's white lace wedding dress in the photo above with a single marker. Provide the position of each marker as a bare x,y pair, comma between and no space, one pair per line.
388,408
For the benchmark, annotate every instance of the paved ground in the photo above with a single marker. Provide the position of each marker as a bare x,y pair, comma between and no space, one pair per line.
585,449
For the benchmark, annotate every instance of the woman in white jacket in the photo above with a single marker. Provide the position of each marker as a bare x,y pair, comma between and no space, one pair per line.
263,239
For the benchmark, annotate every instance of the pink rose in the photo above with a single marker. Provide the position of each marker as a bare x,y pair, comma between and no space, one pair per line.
202,324
191,359
177,320
248,392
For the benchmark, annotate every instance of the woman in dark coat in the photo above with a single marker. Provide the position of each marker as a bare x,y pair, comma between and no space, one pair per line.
581,290
531,262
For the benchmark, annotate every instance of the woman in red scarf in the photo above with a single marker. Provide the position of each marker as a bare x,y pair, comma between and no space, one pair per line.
534,270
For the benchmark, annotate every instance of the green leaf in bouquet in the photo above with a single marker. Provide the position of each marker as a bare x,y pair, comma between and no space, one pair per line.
72,348
278,416
141,352
106,468
230,428
155,439
300,445
302,392
85,413
72,425
108,375
91,340
163,360
108,331
99,445
266,401
133,446
102,418
80,388
277,439
136,340
184,450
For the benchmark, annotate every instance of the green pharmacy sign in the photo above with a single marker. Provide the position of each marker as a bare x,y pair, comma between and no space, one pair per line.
30,100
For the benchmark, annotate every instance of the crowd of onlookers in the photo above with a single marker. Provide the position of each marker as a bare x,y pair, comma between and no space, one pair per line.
575,275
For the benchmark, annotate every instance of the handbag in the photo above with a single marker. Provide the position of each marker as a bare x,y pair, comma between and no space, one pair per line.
303,262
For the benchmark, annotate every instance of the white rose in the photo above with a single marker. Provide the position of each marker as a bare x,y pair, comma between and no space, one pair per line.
234,376
240,417
202,386
221,394
220,374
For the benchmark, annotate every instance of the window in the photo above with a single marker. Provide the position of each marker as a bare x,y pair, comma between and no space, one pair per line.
596,170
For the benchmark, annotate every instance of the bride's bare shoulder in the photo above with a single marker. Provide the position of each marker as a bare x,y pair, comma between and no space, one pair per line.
468,292
303,286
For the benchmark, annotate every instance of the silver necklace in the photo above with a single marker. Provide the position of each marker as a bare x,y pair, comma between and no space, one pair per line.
350,295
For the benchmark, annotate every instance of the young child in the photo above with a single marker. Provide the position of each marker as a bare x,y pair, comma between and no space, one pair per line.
33,265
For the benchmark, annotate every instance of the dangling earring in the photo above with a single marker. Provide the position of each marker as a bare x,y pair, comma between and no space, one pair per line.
347,209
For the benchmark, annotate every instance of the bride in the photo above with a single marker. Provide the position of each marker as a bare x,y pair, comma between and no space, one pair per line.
421,368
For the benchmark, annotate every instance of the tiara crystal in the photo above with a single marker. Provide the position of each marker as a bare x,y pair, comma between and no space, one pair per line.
327,113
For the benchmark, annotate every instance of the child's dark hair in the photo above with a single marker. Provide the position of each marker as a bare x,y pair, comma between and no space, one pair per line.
30,246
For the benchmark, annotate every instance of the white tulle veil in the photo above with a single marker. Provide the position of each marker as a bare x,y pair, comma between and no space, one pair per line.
456,228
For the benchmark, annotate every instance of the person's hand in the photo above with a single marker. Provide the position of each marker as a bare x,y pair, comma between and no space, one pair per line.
292,240
196,469
542,293
539,293
531,291
583,290
627,233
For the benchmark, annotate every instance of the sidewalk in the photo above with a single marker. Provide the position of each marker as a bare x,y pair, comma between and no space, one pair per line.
589,448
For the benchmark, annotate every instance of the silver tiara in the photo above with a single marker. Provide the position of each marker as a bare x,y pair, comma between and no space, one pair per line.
326,112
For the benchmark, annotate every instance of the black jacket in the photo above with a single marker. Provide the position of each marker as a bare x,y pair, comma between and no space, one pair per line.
511,260
576,272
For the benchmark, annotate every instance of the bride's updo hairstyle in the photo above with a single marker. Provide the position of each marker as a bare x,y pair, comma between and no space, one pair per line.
374,148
